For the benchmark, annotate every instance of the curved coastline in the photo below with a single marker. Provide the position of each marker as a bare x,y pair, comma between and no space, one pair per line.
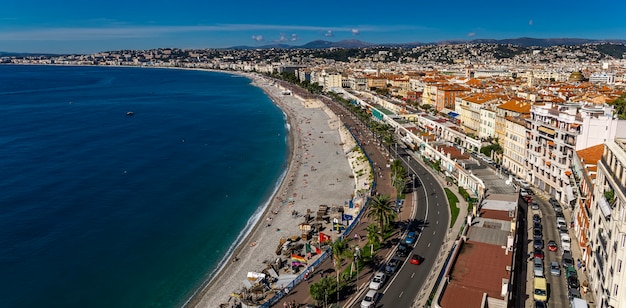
254,223
318,172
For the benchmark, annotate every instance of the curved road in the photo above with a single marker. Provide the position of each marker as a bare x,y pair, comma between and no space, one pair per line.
432,219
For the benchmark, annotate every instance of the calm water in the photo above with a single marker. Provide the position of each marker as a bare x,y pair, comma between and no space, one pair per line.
101,209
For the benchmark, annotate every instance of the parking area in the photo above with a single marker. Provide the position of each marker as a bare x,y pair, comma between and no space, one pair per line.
556,245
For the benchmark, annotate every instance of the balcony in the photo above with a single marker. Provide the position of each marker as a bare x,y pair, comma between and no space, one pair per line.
602,241
616,181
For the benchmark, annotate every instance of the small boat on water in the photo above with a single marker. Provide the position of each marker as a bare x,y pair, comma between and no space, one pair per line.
130,113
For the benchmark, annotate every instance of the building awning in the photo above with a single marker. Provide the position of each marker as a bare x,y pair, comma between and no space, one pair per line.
546,130
574,125
453,114
605,207
548,163
568,173
551,143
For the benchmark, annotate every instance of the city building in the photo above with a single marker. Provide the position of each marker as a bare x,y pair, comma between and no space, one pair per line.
555,132
607,230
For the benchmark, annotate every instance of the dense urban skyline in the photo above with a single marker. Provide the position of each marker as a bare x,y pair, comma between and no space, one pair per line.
73,27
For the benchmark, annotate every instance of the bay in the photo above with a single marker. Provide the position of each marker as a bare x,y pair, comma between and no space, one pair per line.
101,209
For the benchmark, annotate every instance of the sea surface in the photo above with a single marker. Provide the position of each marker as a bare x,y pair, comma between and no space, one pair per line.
102,209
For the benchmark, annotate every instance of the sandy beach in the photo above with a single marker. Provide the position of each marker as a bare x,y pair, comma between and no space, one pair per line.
323,170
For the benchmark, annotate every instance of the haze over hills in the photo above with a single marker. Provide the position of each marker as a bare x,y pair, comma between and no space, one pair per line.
321,44
522,41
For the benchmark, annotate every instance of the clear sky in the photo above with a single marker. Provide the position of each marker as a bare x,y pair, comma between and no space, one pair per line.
70,26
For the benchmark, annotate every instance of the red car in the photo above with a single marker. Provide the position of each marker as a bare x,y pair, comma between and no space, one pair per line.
416,259
538,253
552,246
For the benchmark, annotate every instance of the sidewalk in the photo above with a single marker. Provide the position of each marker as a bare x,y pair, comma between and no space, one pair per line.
299,295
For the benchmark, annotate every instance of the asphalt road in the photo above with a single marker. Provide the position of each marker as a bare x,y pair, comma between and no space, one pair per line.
431,222
557,286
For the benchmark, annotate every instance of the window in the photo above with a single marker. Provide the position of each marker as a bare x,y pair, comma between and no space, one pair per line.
619,266
615,290
623,240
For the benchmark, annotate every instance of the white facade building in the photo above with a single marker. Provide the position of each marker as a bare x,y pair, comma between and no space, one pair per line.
607,232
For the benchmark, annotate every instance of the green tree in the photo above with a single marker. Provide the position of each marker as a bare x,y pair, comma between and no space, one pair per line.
373,236
620,106
380,210
340,250
322,290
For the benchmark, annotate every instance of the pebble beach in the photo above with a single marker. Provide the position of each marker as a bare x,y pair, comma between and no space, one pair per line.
323,169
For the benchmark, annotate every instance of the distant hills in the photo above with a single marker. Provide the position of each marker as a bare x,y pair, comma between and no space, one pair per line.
522,41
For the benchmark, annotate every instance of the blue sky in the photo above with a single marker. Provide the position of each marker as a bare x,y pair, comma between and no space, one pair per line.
92,26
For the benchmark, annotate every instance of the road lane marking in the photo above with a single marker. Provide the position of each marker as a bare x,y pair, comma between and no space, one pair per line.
428,244
434,232
412,275
437,221
400,294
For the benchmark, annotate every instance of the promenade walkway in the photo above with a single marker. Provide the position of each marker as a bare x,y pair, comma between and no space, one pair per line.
299,296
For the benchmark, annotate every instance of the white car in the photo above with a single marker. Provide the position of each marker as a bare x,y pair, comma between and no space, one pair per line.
377,281
370,299
565,242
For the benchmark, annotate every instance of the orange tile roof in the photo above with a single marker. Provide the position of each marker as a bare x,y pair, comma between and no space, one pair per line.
522,107
591,155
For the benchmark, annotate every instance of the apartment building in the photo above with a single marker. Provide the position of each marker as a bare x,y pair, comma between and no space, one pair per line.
514,146
584,173
555,132
607,230
514,107
469,109
447,94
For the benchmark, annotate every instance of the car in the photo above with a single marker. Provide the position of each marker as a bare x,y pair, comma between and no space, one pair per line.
565,242
557,208
572,282
555,269
552,246
573,293
536,218
560,214
392,265
377,281
553,201
537,234
570,271
538,243
410,238
538,253
537,225
523,193
403,250
370,299
538,267
534,205
561,224
416,259
524,184
528,198
567,260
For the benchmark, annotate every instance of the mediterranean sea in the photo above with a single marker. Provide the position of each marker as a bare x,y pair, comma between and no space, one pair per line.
103,209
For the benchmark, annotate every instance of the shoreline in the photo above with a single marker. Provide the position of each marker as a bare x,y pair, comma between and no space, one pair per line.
230,273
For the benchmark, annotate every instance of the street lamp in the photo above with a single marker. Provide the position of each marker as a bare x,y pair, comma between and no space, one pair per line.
357,254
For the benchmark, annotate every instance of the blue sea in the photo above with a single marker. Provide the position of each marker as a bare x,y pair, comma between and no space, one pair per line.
102,209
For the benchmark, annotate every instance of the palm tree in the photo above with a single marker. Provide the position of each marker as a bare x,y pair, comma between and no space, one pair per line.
373,236
381,211
339,249
398,176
